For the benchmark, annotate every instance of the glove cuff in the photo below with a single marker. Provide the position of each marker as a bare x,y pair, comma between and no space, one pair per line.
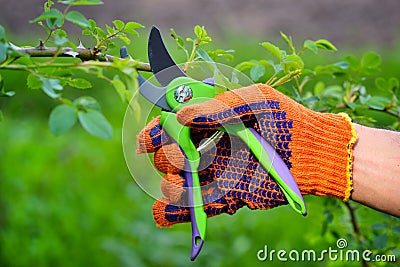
323,154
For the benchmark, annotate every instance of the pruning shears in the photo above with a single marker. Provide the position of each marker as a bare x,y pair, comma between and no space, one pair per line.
178,91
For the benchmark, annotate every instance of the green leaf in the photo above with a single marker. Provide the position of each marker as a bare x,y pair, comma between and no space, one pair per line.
289,41
119,87
333,91
62,118
393,84
293,61
82,2
47,5
220,53
363,90
344,65
325,45
95,123
137,110
1,116
380,241
377,226
396,229
92,25
53,17
77,18
79,83
286,78
33,81
197,31
125,39
131,31
311,99
8,93
178,39
87,3
256,72
378,102
310,45
2,89
245,65
110,30
50,14
86,32
319,88
371,60
222,83
382,84
329,216
364,99
112,45
60,38
354,63
2,33
131,26
119,24
3,52
277,67
50,86
101,32
274,50
204,55
266,63
87,102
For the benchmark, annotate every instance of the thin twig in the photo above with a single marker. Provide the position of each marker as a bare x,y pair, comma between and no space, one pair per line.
354,222
356,228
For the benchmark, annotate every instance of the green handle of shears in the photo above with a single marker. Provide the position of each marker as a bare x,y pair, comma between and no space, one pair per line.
181,134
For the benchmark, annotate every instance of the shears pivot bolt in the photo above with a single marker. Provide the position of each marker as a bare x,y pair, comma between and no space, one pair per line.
183,94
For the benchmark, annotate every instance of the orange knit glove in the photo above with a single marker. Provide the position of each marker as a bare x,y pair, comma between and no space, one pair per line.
316,147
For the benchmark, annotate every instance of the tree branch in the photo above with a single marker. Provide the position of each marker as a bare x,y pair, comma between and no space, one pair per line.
84,54
356,228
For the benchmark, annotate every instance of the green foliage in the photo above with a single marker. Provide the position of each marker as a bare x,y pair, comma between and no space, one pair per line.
54,76
104,38
95,123
194,53
62,118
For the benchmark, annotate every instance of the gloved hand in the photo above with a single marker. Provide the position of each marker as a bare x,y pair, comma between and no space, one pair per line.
316,147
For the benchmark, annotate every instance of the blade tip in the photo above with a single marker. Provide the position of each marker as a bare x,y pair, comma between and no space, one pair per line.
154,29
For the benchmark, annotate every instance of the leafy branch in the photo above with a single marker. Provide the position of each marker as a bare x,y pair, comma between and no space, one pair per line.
84,54
53,76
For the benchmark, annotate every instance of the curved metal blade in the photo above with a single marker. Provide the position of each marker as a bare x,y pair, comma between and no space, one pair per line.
162,65
154,94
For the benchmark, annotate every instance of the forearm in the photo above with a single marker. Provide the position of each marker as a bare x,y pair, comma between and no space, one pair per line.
376,169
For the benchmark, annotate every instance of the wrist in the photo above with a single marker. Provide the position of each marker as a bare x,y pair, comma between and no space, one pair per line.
376,169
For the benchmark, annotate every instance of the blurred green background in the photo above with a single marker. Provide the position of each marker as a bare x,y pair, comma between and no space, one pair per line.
71,201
